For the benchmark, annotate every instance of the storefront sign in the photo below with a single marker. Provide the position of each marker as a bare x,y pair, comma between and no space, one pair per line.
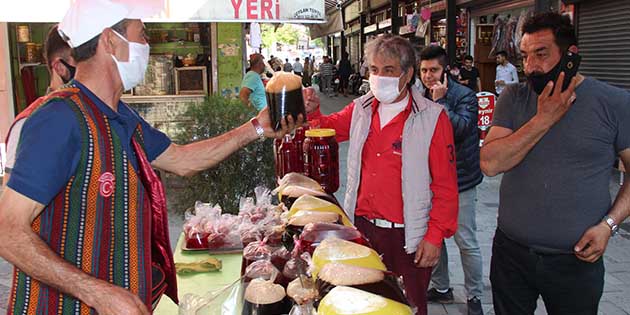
370,28
303,11
486,102
384,24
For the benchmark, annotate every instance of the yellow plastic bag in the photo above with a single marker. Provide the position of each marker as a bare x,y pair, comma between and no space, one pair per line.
350,301
345,252
311,203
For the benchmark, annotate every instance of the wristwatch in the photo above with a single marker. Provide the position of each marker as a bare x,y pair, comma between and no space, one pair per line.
259,129
611,223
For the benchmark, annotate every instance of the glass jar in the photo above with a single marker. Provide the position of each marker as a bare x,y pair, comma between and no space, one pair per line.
321,158
288,157
298,140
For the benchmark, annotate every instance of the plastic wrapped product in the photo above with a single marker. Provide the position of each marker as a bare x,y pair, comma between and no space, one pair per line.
295,185
314,233
299,219
374,281
350,301
345,252
310,203
302,291
264,297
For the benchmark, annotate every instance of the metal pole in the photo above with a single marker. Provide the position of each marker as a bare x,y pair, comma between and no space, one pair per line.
451,25
395,17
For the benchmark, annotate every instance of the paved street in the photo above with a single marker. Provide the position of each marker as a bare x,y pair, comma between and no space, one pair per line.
616,299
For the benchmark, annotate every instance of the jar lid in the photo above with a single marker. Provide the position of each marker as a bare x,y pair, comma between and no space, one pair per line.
320,133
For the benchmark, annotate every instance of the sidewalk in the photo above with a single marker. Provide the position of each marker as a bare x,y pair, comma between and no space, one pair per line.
616,298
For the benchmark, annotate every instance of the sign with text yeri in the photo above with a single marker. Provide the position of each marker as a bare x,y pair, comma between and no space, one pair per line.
272,11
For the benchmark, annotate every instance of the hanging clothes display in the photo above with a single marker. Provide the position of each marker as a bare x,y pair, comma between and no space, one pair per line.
506,35
255,40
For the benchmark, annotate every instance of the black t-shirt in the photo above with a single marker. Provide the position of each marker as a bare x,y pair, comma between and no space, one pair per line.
471,76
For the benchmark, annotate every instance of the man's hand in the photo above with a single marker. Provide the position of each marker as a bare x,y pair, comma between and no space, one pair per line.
593,243
427,255
439,89
499,82
113,300
311,99
287,124
551,107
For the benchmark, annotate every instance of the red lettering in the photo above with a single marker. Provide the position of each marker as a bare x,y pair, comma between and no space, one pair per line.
278,9
251,9
237,6
265,9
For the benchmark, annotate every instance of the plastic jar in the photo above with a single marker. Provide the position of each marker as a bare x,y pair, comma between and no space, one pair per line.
321,158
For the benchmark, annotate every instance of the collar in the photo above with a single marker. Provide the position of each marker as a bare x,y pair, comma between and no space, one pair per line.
123,113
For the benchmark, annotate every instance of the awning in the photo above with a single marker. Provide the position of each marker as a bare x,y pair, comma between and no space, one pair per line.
333,25
262,11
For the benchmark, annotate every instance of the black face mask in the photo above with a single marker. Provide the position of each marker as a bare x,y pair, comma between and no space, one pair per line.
71,70
539,81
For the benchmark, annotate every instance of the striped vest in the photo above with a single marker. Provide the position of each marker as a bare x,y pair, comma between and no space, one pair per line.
100,222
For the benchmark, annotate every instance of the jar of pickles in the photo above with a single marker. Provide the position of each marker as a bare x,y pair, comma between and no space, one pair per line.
321,158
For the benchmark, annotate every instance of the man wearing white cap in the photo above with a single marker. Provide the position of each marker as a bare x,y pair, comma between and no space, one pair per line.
83,218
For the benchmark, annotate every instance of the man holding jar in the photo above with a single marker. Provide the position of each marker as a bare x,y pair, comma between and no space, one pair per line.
402,182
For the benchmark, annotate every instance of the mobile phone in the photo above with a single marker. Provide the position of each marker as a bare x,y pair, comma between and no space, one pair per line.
569,64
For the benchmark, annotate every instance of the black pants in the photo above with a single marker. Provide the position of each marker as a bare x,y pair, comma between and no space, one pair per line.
519,275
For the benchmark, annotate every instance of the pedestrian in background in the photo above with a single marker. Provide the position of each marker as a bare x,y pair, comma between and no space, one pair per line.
308,72
506,73
252,89
344,69
556,148
326,75
297,67
460,103
288,67
469,74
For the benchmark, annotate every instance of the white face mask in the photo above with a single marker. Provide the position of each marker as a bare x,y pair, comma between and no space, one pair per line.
385,89
132,72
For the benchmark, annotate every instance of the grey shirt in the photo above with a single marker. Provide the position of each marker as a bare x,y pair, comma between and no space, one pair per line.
560,189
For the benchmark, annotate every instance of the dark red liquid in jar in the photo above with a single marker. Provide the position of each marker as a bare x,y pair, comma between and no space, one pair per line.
288,157
321,158
298,140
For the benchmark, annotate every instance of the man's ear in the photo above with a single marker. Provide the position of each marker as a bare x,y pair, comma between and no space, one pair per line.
108,41
59,68
573,49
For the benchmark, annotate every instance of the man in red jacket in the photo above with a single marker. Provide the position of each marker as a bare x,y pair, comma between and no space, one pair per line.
402,182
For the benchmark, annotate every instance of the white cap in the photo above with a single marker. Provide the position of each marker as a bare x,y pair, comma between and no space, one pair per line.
86,19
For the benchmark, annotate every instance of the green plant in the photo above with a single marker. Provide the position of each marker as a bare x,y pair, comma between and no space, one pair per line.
240,173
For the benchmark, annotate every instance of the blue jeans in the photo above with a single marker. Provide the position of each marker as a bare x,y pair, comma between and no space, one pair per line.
466,240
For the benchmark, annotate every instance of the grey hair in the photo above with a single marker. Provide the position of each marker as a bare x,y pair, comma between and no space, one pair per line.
392,47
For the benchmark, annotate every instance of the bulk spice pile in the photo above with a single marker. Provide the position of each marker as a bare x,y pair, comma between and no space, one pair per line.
303,256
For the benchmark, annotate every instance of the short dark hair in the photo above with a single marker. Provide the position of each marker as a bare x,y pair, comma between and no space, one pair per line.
55,46
435,52
468,57
501,53
87,50
560,26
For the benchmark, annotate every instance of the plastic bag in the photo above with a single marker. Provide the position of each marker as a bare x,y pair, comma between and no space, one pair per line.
264,297
345,300
314,233
263,269
310,203
224,301
306,309
346,252
296,185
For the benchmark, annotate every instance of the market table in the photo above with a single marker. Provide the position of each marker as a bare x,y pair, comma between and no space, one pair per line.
200,283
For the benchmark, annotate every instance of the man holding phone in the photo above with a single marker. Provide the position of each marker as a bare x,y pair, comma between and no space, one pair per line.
555,138
460,103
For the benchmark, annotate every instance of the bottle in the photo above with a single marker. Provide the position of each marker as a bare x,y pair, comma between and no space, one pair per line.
298,140
288,156
321,158
276,155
